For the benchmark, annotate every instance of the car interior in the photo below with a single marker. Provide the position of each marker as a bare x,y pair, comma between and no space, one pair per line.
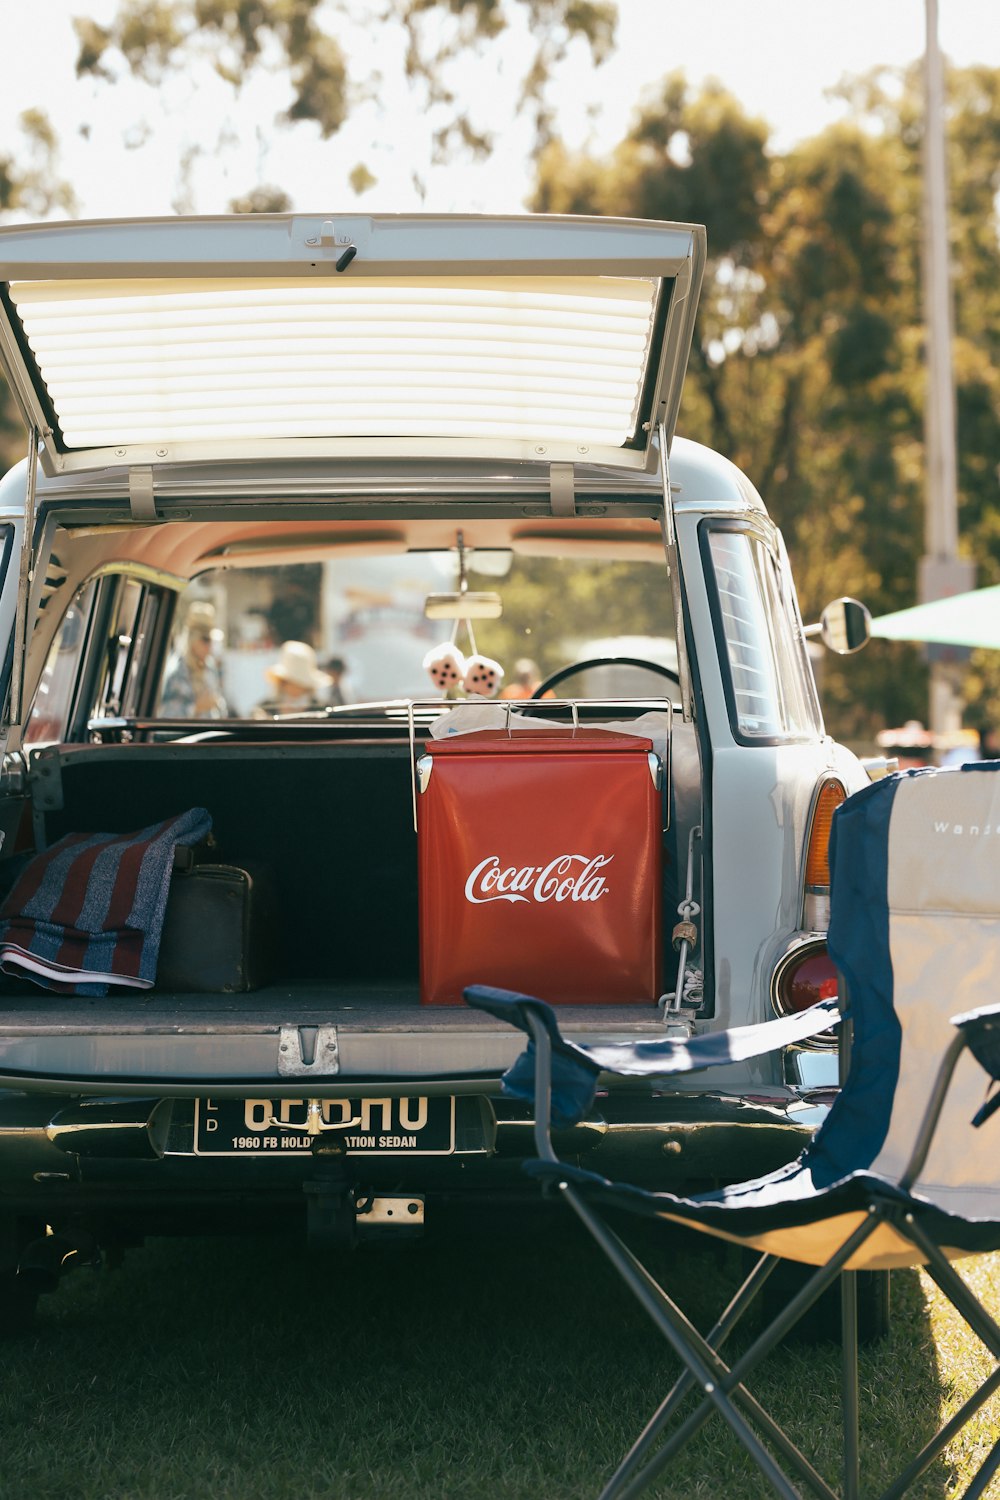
316,796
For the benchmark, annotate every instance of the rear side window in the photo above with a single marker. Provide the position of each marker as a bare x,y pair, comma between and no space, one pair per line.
52,706
770,685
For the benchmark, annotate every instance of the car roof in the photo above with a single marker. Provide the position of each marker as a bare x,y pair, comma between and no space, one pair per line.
700,478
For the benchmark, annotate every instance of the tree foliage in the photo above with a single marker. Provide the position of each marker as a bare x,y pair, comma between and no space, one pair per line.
29,183
808,366
262,200
424,47
29,186
305,40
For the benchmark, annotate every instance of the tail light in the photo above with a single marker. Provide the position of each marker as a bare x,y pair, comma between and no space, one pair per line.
816,902
803,976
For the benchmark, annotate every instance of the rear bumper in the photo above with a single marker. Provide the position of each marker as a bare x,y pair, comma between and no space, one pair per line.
129,1157
97,1117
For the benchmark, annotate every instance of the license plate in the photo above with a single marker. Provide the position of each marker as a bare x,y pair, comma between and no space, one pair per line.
415,1126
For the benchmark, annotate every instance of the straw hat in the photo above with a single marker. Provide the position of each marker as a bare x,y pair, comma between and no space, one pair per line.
297,665
200,621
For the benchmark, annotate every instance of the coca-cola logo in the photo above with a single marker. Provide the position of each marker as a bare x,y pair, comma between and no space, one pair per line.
568,877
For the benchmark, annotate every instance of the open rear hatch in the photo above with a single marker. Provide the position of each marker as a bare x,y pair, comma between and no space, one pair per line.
154,342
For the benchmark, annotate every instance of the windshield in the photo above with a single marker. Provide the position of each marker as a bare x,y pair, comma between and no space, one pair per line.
252,641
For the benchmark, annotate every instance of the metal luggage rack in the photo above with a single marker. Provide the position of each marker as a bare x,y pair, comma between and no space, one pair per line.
418,711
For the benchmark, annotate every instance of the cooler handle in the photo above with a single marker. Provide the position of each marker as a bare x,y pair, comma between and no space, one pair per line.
525,705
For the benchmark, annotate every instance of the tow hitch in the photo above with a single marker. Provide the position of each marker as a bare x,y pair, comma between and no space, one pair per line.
394,1214
338,1214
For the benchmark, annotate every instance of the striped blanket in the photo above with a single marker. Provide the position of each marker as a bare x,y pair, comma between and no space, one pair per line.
88,913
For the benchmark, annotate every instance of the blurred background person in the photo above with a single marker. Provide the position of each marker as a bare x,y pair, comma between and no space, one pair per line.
335,668
298,683
192,682
524,679
293,612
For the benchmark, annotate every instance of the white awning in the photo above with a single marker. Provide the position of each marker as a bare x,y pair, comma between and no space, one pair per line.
971,619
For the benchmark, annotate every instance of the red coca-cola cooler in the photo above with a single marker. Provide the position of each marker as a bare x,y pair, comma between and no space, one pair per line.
539,864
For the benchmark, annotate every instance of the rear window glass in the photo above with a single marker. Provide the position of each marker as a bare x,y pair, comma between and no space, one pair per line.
251,641
770,684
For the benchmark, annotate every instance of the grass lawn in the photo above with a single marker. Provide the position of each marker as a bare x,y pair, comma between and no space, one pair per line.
493,1364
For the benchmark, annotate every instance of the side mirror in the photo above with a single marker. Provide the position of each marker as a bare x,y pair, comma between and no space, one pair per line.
844,626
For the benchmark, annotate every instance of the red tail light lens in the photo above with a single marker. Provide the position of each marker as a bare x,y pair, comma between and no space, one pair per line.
803,977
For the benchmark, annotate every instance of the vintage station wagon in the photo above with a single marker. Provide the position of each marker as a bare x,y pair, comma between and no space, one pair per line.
409,467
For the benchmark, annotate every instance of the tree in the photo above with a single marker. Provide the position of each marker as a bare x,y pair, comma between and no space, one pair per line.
807,367
29,185
326,58
322,50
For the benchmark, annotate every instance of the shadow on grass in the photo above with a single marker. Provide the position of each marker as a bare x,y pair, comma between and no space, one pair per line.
499,1361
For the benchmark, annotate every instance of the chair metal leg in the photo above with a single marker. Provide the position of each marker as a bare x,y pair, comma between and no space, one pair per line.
683,1434
985,1328
722,1388
849,1381
714,1339
940,1269
736,1391
716,1398
799,1305
977,1489
951,1429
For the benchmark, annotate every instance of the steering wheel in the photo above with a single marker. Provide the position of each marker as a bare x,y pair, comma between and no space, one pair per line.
554,678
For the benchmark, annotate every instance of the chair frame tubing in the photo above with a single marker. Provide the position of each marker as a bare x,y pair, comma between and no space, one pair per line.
721,1385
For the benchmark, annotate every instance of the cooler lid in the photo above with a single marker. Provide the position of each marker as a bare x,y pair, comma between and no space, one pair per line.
296,336
535,741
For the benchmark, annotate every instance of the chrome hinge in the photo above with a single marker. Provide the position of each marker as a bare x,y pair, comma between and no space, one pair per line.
305,1050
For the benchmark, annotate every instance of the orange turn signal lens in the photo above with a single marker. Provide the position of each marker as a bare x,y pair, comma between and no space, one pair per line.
831,795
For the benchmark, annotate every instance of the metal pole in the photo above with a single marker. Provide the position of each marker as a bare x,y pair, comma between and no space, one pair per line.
942,571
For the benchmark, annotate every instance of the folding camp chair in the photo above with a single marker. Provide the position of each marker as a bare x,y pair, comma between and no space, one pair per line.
898,1175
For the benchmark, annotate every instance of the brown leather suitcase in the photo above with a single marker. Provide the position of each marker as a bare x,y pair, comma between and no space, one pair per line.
217,932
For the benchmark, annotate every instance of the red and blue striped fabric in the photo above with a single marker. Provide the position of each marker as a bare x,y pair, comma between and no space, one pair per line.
88,913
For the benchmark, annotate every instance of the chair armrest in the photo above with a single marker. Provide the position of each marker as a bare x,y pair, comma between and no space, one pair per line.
710,1049
549,1067
981,1028
576,1067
